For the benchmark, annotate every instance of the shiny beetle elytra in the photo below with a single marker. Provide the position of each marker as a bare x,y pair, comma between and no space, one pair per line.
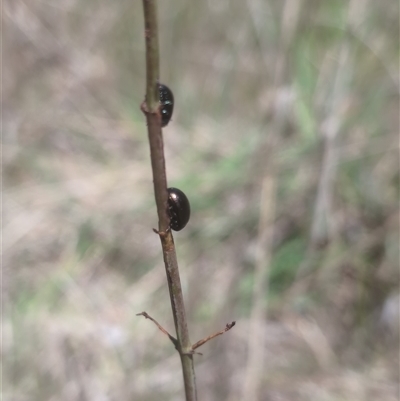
178,209
166,104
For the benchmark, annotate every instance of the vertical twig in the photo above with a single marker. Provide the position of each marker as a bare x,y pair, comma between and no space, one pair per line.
151,110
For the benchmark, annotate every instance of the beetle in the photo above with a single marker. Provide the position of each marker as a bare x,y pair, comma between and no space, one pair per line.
166,103
178,209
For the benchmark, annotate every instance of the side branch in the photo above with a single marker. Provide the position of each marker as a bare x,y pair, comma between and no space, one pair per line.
147,316
204,340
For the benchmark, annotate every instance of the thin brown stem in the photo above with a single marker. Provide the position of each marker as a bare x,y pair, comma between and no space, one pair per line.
151,109
147,316
204,340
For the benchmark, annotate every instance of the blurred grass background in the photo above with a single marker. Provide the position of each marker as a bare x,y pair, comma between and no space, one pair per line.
285,139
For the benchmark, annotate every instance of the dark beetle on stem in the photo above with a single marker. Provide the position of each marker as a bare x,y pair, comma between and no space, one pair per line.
167,104
178,209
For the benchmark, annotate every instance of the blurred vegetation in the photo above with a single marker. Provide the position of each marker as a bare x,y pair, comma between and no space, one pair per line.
304,91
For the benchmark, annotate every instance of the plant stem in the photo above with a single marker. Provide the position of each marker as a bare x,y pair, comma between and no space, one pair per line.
151,110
